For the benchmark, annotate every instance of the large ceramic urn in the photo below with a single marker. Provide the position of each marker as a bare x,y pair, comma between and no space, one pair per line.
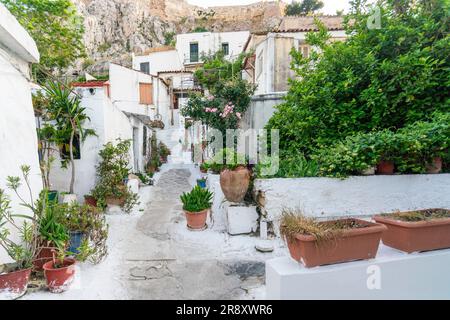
234,183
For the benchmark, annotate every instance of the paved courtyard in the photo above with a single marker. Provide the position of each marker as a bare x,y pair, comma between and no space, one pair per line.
152,255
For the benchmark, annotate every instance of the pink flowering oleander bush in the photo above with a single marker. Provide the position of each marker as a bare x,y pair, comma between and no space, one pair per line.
223,108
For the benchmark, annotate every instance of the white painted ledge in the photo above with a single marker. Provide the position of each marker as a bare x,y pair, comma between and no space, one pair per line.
391,275
354,196
16,38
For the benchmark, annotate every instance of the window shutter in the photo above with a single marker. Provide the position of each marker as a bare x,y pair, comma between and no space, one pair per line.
145,93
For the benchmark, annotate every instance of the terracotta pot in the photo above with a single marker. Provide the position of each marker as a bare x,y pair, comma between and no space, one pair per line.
44,255
203,170
111,201
234,183
385,167
59,279
15,282
435,166
196,220
350,245
416,236
90,200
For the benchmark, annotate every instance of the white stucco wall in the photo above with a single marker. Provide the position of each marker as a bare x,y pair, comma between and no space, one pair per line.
266,50
355,196
159,61
210,42
124,85
18,140
109,124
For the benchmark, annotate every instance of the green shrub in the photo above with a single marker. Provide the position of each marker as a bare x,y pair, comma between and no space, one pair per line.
375,80
411,148
197,200
289,166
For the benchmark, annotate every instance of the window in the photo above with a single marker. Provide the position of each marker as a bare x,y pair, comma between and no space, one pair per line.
145,67
259,65
304,50
193,52
145,93
144,145
65,149
226,48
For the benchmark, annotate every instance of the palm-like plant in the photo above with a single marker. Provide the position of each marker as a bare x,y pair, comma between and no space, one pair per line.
64,107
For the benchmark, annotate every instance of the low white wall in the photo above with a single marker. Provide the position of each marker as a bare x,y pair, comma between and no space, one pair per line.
355,196
391,275
261,109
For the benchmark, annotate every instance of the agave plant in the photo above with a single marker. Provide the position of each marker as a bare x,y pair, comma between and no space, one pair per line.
197,200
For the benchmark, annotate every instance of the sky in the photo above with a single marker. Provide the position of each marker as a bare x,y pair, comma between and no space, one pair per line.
330,6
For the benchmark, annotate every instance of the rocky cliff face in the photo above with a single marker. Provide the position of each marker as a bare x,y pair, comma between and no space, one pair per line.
116,28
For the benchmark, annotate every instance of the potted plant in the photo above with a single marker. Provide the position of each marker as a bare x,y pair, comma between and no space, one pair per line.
385,145
14,276
420,230
317,243
59,272
112,171
204,167
90,200
201,182
163,151
196,205
52,233
234,175
65,110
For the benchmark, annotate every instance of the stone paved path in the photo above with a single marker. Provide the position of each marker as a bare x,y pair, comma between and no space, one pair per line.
160,266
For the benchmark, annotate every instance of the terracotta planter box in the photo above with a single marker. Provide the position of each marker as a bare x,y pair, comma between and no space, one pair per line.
352,244
416,236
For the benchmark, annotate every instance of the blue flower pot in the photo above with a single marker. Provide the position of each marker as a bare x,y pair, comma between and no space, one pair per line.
201,183
76,237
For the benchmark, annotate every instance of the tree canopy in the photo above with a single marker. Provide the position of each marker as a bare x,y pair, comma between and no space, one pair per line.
303,7
377,79
57,29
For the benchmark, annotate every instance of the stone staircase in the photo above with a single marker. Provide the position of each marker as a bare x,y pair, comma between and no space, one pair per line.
173,138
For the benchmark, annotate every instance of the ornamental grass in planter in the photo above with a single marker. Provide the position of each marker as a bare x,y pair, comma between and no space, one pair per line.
420,230
196,205
315,243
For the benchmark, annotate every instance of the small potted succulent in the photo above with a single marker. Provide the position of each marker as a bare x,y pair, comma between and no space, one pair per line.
315,243
419,230
196,205
14,276
59,272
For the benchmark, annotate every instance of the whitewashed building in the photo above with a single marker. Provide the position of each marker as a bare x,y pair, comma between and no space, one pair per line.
269,63
18,139
192,46
120,107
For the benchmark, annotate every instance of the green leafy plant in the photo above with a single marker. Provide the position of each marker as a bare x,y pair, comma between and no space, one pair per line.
65,111
113,169
197,200
225,158
22,253
289,166
163,151
376,80
92,223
